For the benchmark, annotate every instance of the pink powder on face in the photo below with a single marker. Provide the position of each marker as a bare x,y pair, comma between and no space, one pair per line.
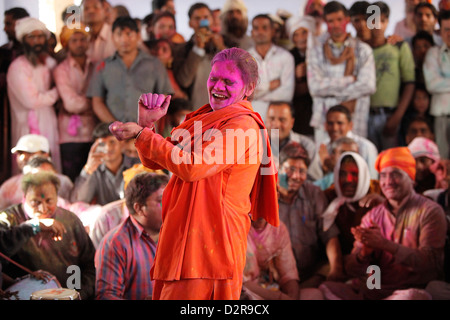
225,85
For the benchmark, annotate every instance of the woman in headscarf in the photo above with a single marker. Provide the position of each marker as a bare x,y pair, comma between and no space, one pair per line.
351,196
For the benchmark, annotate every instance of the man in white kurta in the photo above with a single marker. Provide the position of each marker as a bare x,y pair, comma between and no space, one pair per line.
276,67
30,88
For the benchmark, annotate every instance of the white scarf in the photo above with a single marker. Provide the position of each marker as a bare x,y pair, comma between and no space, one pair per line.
361,190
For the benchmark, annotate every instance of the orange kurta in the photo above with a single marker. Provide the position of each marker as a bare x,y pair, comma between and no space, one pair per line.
206,204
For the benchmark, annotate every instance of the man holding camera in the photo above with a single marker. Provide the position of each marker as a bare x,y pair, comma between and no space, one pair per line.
101,180
192,60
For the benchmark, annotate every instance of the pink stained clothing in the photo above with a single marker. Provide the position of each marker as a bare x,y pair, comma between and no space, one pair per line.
72,83
103,46
32,100
403,31
419,231
269,249
109,217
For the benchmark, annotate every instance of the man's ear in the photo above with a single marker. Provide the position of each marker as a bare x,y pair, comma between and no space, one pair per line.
137,208
250,89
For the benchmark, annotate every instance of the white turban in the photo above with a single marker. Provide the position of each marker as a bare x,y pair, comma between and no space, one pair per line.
233,5
27,25
294,23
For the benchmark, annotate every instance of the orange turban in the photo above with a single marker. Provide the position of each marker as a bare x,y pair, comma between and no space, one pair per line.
66,33
400,158
134,170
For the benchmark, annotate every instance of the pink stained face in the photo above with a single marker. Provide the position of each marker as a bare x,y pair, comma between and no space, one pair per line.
337,23
225,85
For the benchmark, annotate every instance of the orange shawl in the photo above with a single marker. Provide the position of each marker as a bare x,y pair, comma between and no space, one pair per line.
264,194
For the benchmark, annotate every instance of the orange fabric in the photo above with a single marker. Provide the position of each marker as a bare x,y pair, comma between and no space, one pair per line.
196,289
67,32
399,157
206,206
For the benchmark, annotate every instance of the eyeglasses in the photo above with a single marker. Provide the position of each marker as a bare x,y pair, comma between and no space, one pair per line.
291,170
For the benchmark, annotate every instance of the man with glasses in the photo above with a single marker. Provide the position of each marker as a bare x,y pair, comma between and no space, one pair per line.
301,204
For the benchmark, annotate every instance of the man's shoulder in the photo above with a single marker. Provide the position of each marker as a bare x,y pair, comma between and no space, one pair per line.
298,137
280,50
14,180
311,191
434,50
426,203
19,62
363,141
11,210
363,46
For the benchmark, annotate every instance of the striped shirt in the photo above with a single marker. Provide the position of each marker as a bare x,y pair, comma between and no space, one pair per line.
123,261
328,86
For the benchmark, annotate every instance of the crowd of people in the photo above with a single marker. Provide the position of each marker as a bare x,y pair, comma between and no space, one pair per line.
358,127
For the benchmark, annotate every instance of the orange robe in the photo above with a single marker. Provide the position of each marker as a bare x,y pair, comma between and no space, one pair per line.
207,207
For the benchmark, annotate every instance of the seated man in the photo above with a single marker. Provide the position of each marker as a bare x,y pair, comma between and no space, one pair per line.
351,196
270,269
42,236
339,124
301,206
29,146
404,236
280,116
101,179
427,157
114,213
85,212
126,253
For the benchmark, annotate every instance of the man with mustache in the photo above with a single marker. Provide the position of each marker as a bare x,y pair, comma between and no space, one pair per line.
235,23
30,88
301,205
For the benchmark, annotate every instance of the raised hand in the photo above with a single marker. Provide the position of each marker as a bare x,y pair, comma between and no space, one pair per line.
152,107
124,131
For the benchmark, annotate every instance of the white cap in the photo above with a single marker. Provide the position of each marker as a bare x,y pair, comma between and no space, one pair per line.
234,5
32,143
27,25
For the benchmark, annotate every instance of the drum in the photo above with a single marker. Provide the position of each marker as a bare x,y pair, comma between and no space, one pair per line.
28,284
55,294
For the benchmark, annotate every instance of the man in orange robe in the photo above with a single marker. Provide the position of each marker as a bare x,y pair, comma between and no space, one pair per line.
208,203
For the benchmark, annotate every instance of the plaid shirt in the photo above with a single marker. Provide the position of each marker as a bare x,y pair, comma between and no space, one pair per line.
328,86
123,261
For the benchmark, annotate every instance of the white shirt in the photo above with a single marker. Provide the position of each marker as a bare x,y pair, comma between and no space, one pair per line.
366,149
436,71
277,64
